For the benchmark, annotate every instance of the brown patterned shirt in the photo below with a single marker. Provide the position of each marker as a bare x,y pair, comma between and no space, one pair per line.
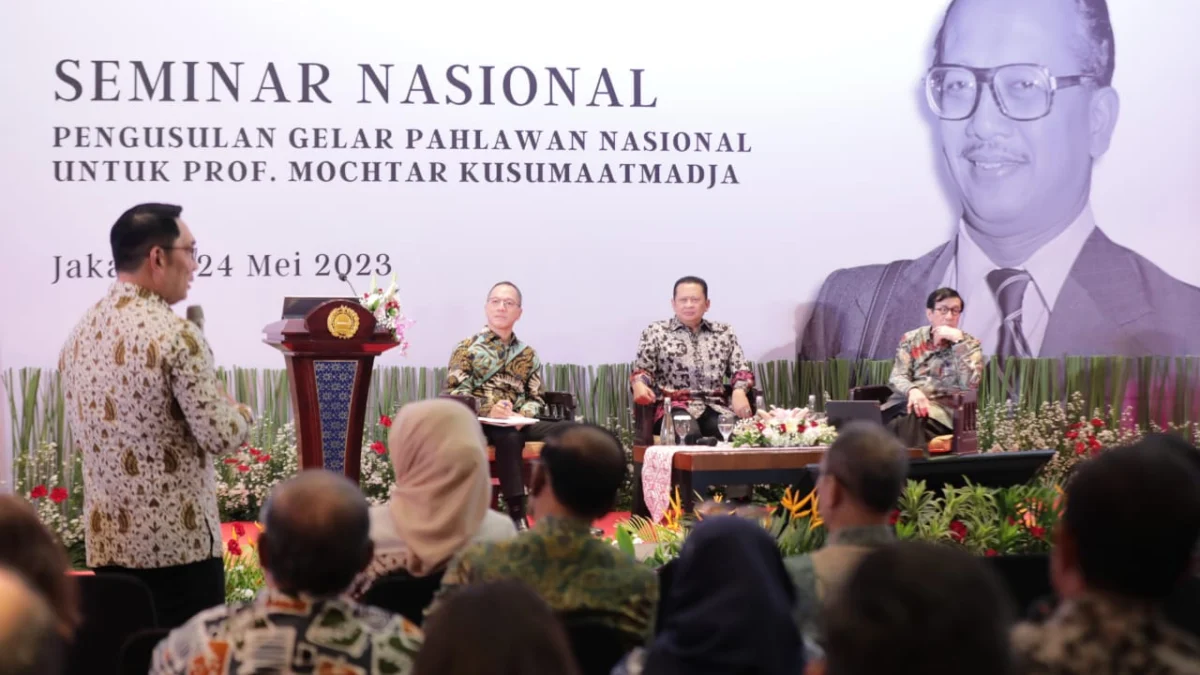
146,411
1098,634
939,371
484,367
692,366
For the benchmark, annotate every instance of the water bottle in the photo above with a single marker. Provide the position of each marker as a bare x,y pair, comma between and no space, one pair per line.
666,436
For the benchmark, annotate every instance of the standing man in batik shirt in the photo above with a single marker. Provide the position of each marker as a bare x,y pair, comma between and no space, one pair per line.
147,412
933,363
690,359
505,376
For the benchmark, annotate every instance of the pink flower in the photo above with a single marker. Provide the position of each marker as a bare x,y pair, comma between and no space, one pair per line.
38,492
58,495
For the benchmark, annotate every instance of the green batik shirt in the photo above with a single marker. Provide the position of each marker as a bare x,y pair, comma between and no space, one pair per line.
484,367
818,574
570,569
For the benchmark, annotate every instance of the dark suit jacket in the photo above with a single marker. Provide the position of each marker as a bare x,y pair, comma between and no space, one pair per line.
1114,302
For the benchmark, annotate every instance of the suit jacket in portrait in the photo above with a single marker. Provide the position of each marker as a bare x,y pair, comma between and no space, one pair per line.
1114,302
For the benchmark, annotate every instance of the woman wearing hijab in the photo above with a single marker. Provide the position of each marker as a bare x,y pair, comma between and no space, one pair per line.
439,504
728,610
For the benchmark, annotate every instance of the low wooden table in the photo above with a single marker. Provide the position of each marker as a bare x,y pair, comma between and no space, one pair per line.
695,470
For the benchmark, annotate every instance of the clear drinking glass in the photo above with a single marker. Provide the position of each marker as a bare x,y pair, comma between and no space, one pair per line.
725,424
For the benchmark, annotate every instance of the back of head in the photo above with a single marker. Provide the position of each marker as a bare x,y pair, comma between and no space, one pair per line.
442,490
316,534
32,551
871,463
919,608
140,229
586,467
1133,517
497,628
728,616
29,643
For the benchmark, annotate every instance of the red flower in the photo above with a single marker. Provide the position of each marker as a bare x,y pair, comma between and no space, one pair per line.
1072,435
234,547
263,459
379,447
231,460
38,492
255,452
1076,425
894,517
1097,422
1094,443
58,495
385,420
1080,448
243,468
958,531
783,428
1011,520
239,529
760,426
991,553
1037,532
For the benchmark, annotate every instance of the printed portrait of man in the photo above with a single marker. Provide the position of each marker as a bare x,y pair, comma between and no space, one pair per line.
1021,93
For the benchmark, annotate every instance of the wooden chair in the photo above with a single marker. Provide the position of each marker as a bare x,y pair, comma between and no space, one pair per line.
115,607
964,409
643,417
560,407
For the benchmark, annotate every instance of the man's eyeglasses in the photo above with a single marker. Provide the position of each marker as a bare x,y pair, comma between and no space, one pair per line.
948,311
193,250
496,302
1022,91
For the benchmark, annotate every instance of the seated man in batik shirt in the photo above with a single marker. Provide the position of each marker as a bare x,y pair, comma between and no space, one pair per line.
690,359
315,541
933,363
504,375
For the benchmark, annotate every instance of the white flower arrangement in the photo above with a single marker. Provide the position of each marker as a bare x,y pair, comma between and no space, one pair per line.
783,428
385,305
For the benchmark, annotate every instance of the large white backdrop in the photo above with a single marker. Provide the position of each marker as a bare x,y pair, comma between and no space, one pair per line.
840,168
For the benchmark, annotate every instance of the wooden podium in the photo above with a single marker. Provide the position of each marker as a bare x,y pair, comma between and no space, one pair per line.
330,345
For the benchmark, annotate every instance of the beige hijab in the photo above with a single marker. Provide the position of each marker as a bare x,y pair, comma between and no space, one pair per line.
442,487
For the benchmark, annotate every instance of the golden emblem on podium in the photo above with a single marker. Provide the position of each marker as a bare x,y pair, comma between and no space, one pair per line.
342,323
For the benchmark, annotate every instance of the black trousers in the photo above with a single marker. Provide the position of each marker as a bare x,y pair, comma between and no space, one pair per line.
181,591
708,423
913,431
508,442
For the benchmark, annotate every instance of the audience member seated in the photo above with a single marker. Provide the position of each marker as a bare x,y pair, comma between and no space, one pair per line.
314,543
1131,521
497,628
30,643
729,608
862,476
440,501
932,363
32,551
914,607
581,469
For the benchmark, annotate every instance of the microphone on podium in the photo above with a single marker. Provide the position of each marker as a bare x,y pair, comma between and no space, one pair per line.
195,314
346,279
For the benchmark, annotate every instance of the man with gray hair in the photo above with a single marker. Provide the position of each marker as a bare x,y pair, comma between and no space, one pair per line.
862,476
1024,106
28,639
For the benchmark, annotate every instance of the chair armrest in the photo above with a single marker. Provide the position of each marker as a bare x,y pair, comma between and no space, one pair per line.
565,403
469,401
961,398
875,392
